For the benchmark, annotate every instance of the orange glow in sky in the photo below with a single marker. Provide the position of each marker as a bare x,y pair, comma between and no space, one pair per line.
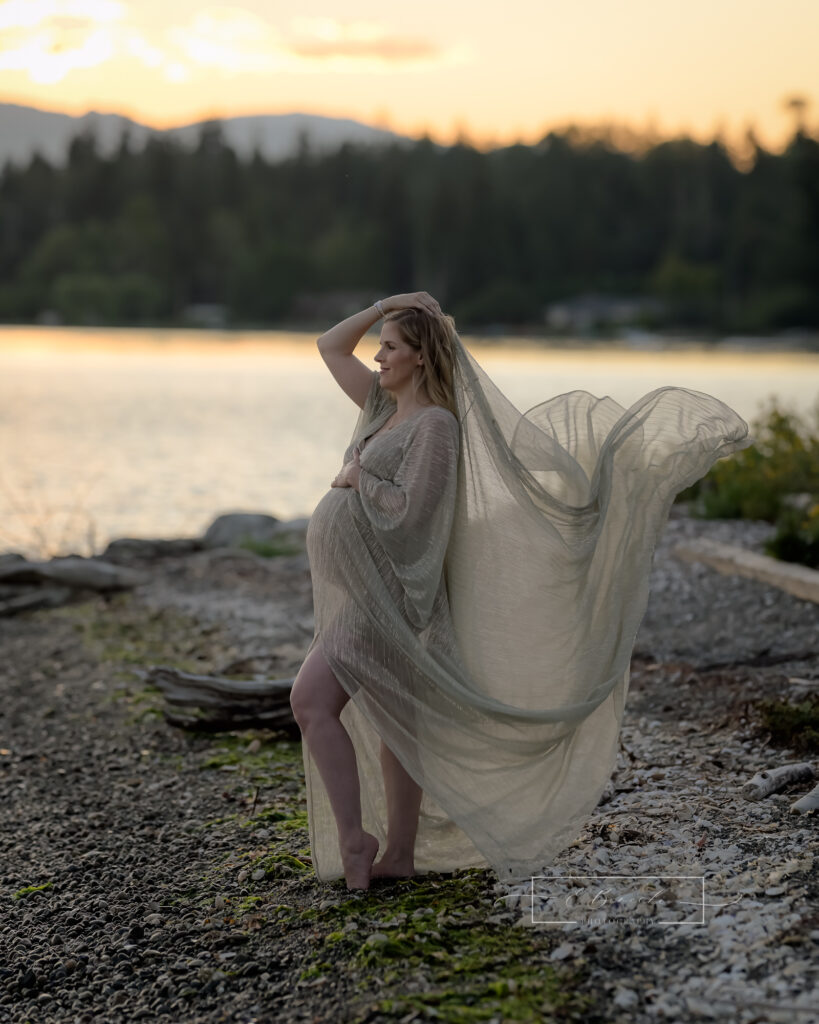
496,72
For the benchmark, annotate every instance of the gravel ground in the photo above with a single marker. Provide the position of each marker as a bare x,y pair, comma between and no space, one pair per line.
150,874
708,620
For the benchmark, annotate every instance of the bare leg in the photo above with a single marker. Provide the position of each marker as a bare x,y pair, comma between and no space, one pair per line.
403,804
317,699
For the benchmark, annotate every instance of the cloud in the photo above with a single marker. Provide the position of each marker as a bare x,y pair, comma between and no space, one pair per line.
236,41
323,39
48,39
228,38
31,13
48,62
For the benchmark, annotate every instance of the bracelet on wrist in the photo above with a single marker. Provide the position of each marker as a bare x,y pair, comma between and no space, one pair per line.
380,308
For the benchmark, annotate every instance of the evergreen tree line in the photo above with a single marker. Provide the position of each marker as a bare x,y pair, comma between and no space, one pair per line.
140,236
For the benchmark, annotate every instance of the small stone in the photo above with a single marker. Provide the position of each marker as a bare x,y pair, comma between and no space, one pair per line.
625,998
563,951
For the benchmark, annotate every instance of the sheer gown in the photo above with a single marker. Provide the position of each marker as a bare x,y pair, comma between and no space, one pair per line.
478,599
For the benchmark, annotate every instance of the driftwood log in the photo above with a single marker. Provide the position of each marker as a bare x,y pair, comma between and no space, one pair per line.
13,601
227,703
773,779
26,585
809,802
796,579
72,571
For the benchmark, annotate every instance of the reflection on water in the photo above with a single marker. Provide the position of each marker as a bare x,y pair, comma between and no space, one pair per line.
145,433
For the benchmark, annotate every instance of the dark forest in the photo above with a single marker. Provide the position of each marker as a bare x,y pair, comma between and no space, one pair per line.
140,237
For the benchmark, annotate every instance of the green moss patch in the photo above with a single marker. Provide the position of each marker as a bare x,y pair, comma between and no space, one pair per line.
792,725
29,889
429,949
273,548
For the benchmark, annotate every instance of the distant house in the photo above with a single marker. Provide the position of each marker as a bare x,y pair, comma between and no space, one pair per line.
206,314
331,306
585,312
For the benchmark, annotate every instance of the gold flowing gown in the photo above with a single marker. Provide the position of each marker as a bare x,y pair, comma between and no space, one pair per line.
478,598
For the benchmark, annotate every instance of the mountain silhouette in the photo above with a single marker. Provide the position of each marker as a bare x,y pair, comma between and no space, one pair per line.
25,131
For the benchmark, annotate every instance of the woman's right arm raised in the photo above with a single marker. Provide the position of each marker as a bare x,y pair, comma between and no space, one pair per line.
336,348
336,345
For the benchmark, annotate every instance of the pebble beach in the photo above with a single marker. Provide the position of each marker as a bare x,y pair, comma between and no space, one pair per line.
152,873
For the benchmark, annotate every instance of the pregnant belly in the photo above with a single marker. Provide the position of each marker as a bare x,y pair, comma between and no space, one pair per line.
327,519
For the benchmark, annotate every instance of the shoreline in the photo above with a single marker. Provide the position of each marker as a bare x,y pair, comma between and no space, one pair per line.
628,338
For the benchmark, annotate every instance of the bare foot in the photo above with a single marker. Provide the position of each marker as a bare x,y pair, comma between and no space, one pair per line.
393,867
358,862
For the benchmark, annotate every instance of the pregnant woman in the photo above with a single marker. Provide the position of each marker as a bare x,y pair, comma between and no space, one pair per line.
479,577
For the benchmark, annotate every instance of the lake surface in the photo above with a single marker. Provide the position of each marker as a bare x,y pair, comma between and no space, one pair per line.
150,433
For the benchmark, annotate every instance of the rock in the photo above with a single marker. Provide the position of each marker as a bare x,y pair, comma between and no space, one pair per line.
233,530
563,951
11,558
228,531
625,998
131,549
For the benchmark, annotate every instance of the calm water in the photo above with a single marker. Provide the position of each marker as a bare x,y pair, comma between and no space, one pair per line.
108,434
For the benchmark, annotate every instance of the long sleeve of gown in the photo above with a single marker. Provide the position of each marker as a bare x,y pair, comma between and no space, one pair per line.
411,514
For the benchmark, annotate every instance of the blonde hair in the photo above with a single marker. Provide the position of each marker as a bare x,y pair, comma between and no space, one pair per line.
432,336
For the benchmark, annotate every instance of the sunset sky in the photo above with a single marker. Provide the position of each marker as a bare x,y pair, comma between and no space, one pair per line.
496,72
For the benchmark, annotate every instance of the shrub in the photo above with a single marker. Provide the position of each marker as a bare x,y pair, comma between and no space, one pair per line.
797,536
777,479
757,482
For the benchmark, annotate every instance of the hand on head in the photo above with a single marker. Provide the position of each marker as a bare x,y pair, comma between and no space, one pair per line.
413,300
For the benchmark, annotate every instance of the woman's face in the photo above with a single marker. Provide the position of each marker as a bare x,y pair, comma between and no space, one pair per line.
396,359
